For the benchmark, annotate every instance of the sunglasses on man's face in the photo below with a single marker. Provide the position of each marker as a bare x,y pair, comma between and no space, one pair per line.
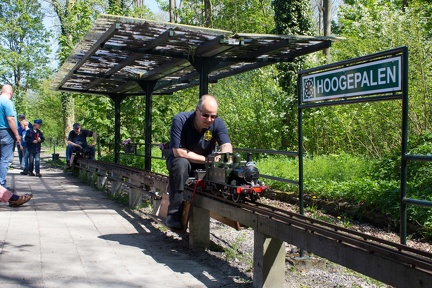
206,115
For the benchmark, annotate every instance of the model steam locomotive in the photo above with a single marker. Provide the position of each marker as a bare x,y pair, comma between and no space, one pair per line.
228,175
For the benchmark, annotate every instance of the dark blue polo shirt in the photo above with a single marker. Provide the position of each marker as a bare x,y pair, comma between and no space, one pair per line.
184,135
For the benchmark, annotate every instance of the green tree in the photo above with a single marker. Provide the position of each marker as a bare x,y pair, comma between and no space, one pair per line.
247,105
116,7
24,48
75,18
369,27
292,17
45,105
254,16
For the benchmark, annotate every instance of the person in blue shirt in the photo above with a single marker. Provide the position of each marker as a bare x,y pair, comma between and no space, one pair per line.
193,137
8,132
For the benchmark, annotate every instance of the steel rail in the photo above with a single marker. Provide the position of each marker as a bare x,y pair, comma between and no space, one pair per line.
352,239
413,257
397,246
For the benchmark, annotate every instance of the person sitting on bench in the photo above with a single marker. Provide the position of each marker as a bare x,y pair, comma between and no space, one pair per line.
77,142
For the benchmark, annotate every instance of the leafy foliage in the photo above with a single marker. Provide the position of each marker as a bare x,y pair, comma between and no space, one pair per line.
291,18
96,115
24,48
253,120
253,16
75,20
45,105
374,27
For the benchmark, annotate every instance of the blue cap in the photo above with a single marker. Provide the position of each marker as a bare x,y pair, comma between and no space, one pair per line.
76,125
37,121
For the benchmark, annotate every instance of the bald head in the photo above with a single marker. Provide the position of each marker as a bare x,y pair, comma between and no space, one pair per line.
207,109
7,90
208,102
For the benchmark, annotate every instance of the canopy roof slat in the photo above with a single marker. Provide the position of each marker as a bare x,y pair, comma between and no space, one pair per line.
119,54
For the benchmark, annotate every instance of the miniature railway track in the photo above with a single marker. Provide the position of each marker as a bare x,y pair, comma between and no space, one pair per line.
410,257
404,254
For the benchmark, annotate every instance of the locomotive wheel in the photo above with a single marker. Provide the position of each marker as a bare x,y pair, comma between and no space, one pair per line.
214,189
237,197
253,198
226,194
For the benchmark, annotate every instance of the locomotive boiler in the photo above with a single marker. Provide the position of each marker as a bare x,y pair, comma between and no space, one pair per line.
228,175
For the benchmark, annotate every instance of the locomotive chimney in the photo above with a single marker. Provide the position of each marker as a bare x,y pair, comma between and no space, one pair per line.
249,157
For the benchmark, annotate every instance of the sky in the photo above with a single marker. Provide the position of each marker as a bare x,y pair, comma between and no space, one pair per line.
152,5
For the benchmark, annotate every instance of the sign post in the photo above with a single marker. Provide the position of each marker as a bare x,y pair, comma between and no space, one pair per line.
377,77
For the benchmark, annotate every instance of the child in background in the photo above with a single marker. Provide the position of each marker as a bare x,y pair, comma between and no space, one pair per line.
24,163
34,137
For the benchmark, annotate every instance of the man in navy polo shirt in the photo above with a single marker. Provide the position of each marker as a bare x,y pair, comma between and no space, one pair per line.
193,137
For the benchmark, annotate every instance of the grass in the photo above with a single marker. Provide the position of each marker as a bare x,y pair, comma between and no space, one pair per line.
233,251
121,198
324,176
346,179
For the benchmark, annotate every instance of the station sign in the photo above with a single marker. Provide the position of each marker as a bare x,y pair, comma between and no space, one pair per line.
375,77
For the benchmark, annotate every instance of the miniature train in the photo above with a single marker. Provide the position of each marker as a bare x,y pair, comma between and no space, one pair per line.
231,177
83,153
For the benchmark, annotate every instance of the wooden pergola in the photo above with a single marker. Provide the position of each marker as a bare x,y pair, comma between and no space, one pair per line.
122,56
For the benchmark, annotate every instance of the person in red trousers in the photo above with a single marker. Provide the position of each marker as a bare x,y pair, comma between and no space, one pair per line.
14,200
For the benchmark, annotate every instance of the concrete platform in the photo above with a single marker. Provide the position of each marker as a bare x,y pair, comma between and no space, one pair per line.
72,235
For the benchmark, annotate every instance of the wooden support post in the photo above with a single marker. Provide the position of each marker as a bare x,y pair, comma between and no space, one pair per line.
135,194
116,183
101,179
156,204
83,172
89,174
269,261
199,228
160,205
92,176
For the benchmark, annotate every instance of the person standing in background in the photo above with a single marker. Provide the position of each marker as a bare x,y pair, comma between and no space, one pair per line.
21,118
24,163
8,132
34,137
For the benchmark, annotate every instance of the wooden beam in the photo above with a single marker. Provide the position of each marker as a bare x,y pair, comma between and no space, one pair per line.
96,46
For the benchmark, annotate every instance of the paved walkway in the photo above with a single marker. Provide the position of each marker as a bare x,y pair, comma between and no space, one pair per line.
71,235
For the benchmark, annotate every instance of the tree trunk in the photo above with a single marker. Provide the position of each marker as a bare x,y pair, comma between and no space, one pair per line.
404,5
171,11
207,13
67,103
327,4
